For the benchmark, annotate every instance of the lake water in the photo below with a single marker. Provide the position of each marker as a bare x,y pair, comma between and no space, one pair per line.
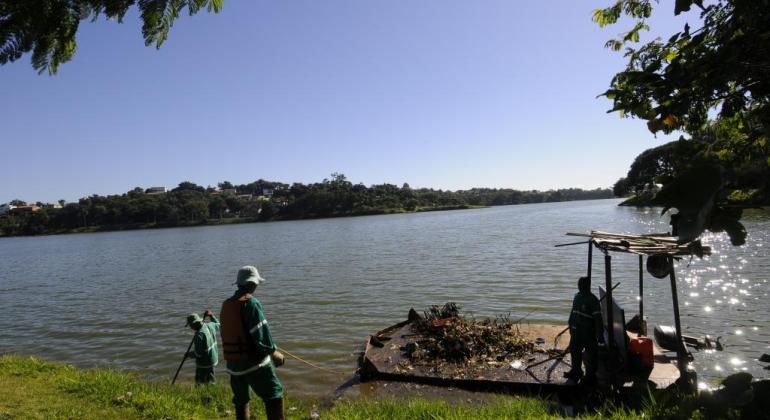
120,298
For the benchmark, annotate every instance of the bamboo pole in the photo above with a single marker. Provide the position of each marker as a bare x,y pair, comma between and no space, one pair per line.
675,299
590,259
642,329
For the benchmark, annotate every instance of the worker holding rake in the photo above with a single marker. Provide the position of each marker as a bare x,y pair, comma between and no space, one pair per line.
204,346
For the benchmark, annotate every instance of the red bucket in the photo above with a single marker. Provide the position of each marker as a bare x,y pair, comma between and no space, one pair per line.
643,347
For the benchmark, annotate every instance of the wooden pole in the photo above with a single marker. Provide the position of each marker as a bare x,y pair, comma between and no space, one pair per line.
608,292
675,298
642,329
173,381
610,363
590,258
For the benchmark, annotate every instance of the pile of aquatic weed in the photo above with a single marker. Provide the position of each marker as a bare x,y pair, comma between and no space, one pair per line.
447,336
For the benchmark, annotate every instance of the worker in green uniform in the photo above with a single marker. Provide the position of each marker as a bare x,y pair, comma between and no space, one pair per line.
204,347
586,330
249,349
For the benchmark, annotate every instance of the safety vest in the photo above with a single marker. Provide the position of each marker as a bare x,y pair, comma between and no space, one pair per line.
237,343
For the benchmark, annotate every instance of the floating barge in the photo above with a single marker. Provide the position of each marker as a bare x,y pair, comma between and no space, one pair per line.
542,369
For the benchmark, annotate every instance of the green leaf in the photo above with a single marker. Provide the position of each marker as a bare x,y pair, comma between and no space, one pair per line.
723,220
692,193
682,6
696,247
671,55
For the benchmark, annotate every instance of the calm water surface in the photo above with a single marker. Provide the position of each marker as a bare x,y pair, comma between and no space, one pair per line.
120,298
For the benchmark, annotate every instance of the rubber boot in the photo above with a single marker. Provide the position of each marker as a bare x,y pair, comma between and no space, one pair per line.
242,412
589,380
574,375
274,409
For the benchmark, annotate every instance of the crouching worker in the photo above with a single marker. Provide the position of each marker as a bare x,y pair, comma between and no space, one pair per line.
249,349
585,329
204,346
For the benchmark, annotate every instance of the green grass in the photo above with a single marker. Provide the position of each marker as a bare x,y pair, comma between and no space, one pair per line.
499,408
35,389
421,409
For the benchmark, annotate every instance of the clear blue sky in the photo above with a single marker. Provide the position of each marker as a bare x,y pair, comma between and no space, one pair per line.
437,93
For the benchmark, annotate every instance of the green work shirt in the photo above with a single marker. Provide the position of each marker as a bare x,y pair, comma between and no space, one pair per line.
259,330
586,312
205,344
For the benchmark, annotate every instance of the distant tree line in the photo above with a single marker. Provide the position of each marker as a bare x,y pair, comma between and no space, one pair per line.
191,204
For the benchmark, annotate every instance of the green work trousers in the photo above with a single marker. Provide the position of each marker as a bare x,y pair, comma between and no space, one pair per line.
263,381
204,375
583,338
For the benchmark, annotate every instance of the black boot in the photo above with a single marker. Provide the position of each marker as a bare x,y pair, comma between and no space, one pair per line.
242,412
574,375
274,409
589,380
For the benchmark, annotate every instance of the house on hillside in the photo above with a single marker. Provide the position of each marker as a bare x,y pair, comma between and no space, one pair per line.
155,190
267,192
32,208
5,208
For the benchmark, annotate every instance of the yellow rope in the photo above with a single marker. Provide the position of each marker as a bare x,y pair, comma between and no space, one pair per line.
311,363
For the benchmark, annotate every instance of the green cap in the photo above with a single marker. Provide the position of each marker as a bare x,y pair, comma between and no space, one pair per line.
192,319
248,274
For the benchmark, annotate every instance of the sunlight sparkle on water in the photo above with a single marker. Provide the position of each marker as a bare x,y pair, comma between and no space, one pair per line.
717,368
736,361
738,332
707,309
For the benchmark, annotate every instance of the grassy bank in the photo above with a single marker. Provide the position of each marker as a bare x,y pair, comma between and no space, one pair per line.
35,389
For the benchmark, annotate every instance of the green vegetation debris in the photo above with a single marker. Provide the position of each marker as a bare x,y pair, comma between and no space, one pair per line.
447,336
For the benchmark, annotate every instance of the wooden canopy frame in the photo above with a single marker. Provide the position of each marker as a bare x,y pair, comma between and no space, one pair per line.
644,246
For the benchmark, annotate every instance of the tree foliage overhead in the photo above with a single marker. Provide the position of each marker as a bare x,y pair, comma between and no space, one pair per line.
711,82
48,28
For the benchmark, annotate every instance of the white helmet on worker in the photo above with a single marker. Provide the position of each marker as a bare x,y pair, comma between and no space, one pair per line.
248,274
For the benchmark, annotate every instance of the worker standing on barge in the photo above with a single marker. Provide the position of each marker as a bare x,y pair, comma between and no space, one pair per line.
586,330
